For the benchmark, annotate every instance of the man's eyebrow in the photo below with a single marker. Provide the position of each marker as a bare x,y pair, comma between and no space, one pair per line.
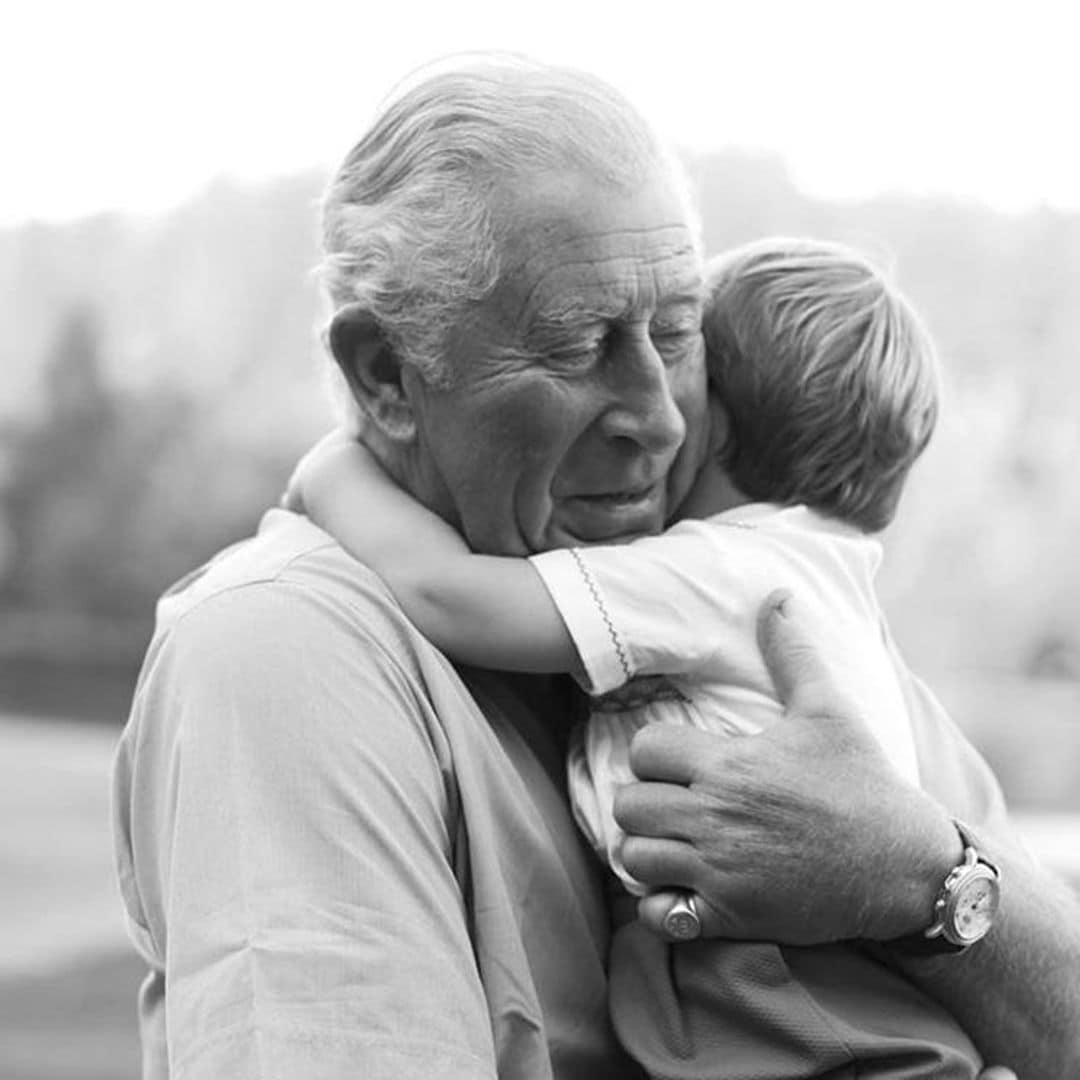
569,312
679,311
692,296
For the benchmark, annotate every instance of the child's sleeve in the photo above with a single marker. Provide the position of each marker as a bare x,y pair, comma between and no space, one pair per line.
586,615
659,605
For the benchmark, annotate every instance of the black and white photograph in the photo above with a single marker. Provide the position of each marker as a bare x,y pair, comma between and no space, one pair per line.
539,543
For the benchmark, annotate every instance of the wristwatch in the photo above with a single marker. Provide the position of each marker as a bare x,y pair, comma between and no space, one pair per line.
964,909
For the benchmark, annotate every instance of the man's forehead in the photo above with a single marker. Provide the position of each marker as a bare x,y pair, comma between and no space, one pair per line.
608,272
573,227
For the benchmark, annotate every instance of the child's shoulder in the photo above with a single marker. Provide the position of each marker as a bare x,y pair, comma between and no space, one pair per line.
798,528
767,516
774,517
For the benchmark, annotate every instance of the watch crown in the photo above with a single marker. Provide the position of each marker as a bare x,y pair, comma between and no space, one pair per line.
964,907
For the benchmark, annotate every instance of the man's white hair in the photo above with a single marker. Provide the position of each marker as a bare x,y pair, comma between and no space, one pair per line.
407,224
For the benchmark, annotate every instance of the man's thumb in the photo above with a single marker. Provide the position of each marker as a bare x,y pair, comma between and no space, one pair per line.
794,647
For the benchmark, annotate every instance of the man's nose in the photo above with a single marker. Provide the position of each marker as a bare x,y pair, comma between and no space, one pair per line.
643,408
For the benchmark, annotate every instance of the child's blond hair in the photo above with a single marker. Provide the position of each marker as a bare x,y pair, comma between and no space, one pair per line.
828,377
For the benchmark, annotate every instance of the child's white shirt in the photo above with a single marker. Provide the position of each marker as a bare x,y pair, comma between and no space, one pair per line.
685,605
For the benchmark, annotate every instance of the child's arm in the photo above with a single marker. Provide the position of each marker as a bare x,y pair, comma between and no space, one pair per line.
479,609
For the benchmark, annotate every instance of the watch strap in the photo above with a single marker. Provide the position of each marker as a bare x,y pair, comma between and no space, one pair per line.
918,944
933,941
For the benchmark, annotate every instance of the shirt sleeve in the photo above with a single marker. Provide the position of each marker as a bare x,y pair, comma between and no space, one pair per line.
659,605
950,768
290,810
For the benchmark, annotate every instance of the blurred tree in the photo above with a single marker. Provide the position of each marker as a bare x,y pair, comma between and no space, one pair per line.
59,524
110,494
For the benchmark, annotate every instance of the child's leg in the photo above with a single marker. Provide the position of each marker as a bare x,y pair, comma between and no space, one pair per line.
713,1009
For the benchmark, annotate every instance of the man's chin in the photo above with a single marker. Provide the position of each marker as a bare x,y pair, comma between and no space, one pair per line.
591,522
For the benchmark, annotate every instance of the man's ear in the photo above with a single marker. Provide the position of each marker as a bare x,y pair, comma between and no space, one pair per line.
373,370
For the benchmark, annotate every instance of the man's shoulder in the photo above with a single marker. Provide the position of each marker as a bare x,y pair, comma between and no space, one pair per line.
288,591
287,554
284,632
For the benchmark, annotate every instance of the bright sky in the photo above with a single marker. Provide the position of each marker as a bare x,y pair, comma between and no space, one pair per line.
137,105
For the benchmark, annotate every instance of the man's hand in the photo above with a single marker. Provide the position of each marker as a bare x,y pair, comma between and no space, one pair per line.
803,834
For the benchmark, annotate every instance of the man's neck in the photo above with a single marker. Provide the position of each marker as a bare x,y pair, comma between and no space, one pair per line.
713,493
411,471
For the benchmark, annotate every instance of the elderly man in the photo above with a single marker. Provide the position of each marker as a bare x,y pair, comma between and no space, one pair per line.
340,856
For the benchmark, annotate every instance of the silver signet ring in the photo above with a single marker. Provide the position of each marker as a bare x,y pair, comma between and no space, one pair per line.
681,923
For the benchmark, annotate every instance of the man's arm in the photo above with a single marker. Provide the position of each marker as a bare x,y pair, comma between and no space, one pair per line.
961,781
1017,992
804,835
289,822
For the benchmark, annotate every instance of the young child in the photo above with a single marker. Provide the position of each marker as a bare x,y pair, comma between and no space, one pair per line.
823,392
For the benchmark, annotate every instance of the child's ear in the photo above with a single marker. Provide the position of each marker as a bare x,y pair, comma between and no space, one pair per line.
373,370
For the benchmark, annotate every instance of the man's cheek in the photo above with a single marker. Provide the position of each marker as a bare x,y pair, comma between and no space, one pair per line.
688,379
689,391
531,419
488,499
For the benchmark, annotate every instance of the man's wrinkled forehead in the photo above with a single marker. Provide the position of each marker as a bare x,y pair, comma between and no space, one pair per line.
609,274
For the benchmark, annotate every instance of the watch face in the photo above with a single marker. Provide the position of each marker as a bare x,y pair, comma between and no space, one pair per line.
974,906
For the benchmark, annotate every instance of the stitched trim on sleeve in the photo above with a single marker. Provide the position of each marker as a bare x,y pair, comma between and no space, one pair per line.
594,591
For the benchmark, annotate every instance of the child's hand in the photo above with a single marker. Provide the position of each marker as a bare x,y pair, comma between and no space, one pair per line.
329,445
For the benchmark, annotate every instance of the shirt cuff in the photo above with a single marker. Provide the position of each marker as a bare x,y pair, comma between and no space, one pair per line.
576,593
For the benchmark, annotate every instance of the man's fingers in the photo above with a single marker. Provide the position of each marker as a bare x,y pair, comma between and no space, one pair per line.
997,1072
651,809
797,652
653,909
660,862
672,753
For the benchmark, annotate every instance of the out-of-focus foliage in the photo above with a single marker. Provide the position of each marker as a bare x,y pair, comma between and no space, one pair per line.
162,374
76,474
979,569
160,378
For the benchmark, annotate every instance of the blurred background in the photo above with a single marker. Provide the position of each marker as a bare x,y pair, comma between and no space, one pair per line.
160,366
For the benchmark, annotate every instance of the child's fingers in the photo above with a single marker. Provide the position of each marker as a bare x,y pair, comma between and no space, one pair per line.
330,443
292,499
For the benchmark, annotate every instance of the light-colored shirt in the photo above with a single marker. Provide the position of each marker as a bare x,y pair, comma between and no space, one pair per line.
340,859
335,864
685,604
